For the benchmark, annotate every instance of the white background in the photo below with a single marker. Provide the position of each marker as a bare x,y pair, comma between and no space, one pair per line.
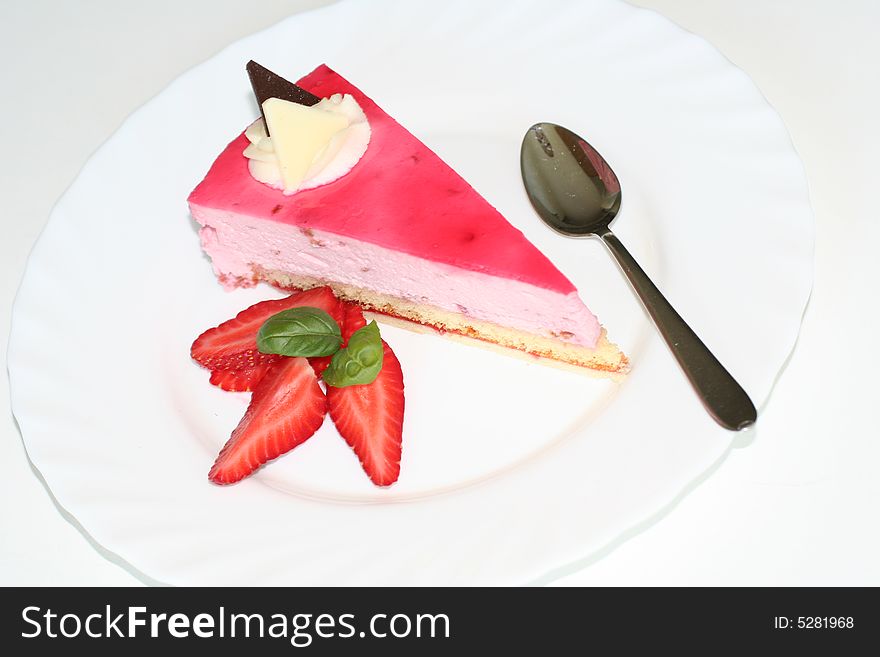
799,506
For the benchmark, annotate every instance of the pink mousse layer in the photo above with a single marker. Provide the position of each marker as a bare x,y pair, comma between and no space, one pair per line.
235,241
421,230
400,195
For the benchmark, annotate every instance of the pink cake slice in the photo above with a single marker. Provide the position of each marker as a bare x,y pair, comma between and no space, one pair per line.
402,234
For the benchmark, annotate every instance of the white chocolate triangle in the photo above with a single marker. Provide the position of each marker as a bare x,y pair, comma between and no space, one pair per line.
299,136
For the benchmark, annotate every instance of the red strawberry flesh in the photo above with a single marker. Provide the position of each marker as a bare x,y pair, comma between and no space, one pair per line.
286,409
243,380
233,344
370,419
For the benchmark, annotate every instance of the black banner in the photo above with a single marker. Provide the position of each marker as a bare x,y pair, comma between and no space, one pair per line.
436,621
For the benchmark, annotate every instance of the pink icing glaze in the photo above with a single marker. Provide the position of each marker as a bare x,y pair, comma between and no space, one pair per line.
400,196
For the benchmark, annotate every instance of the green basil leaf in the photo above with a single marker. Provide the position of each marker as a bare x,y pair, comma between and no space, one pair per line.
359,362
303,331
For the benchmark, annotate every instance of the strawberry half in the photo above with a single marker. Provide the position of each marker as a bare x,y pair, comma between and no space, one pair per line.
370,419
352,319
233,344
286,409
243,380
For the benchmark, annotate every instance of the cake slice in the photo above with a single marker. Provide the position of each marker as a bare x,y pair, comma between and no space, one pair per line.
400,234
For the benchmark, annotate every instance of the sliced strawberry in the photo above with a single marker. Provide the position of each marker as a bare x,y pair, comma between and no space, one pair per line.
287,407
370,419
243,380
233,344
319,364
352,320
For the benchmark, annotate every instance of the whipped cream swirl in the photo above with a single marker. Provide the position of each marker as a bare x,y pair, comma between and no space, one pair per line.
336,159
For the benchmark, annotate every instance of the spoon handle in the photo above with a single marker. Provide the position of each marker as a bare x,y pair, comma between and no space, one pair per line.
722,396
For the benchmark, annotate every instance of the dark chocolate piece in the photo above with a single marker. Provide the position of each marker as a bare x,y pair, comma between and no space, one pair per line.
267,84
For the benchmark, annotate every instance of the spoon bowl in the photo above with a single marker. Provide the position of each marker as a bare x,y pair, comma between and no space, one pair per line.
568,182
576,193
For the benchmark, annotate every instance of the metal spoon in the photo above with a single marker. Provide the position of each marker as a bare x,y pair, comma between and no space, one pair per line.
577,194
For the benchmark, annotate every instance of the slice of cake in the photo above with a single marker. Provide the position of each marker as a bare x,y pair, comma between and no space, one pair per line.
305,198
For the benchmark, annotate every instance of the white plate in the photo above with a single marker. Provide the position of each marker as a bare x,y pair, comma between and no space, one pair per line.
511,470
